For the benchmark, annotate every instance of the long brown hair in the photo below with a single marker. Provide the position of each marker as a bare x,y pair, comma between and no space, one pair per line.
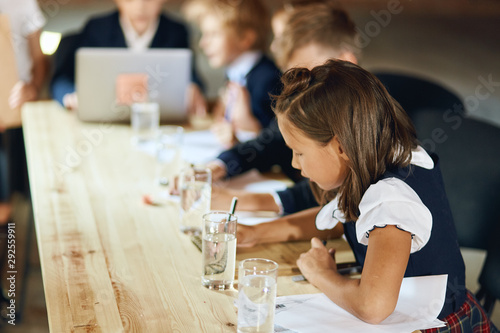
343,100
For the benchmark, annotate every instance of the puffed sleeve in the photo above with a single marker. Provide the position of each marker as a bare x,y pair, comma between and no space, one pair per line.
393,202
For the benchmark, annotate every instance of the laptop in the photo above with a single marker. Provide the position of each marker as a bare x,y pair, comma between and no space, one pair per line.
109,80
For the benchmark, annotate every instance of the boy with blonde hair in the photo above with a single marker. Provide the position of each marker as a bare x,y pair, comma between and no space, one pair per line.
235,37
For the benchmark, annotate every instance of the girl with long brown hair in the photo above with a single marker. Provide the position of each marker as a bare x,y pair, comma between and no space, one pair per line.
359,149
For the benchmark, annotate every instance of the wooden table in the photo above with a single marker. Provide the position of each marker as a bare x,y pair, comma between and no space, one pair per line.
109,262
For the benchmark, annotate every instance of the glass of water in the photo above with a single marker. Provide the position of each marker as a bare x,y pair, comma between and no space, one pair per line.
195,187
257,284
218,250
168,153
145,121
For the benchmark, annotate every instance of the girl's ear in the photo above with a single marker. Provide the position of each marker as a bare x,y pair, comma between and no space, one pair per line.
337,146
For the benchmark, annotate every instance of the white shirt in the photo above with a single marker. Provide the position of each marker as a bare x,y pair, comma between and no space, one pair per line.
25,18
241,66
135,41
390,201
237,72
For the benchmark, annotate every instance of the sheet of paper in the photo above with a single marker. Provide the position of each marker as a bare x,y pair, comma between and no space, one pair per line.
254,181
253,218
200,147
420,301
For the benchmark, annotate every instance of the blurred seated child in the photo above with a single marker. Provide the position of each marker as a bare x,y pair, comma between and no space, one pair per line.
313,34
138,25
235,37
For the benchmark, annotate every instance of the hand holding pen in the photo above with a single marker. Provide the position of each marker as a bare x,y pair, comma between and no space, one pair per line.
318,260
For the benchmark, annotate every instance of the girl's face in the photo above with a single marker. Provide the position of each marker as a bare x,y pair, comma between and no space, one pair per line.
327,165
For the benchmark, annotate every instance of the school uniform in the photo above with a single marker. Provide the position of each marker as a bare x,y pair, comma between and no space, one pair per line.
108,31
413,199
261,77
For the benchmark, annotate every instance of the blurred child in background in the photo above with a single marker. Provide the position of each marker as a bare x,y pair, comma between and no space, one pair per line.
235,37
26,21
312,34
137,25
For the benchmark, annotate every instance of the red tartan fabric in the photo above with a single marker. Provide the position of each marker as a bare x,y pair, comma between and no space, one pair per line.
470,318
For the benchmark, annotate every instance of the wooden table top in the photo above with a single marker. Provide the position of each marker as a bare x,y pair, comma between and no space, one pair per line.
109,262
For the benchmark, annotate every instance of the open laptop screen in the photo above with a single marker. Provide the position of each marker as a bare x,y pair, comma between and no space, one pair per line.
108,80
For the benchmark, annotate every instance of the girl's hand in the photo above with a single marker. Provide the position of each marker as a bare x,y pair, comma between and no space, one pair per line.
317,261
246,236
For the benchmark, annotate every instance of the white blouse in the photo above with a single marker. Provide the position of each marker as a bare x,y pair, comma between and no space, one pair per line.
135,41
390,201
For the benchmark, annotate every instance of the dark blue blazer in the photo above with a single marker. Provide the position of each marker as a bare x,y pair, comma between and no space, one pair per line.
262,81
105,31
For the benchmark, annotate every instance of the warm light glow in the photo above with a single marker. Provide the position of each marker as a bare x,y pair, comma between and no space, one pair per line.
49,41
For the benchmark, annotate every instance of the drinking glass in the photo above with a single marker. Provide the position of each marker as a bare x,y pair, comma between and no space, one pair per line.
218,250
168,153
257,284
195,187
145,121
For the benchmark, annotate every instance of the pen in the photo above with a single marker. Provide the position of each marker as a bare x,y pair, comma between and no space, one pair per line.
346,268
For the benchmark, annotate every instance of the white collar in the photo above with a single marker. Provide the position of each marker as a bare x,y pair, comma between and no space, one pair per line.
419,157
135,41
241,66
330,215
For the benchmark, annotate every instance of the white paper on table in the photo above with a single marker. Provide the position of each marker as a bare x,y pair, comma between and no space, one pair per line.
420,302
254,181
253,218
200,147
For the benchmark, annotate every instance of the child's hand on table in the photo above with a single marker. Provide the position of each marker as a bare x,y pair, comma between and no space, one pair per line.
246,236
317,261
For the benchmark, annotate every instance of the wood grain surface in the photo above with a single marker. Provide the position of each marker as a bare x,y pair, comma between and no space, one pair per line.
110,263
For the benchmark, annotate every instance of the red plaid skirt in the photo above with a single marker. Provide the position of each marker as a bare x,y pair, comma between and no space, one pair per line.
470,318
